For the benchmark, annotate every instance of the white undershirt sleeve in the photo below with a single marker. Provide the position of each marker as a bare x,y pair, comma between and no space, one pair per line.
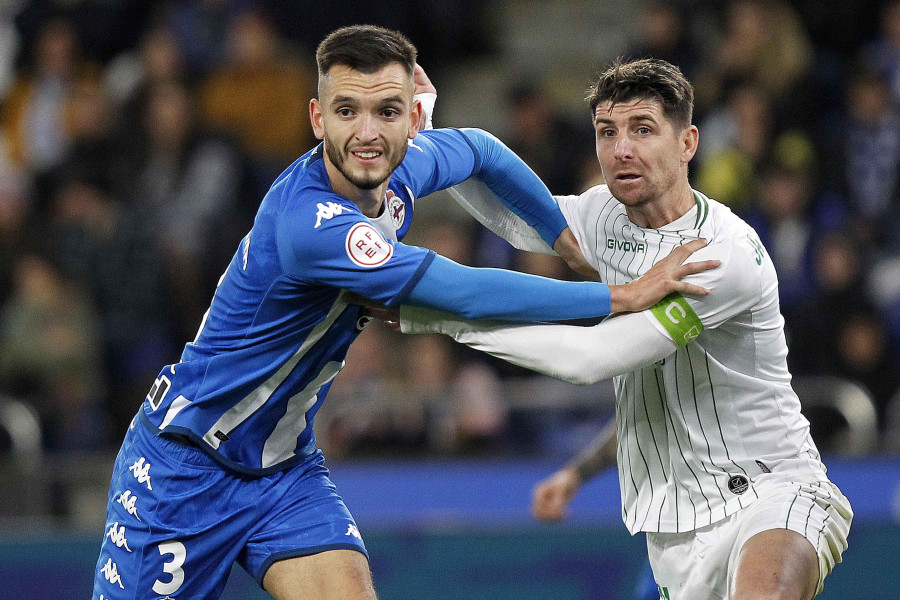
581,355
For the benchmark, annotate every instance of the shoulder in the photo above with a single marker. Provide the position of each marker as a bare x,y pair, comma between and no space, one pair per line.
595,200
727,230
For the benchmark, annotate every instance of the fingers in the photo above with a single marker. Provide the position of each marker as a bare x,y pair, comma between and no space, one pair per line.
421,81
692,268
691,289
690,247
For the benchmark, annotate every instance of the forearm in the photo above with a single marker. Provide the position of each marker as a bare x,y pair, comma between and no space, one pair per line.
507,295
597,457
580,355
517,186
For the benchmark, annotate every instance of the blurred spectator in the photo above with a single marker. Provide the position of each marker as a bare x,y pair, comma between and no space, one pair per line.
865,356
662,34
783,221
130,76
32,115
812,325
546,141
13,216
261,94
763,43
102,246
872,147
883,54
50,355
188,186
736,140
201,29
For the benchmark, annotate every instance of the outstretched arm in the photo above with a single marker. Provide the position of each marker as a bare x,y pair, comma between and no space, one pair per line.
580,355
551,497
497,294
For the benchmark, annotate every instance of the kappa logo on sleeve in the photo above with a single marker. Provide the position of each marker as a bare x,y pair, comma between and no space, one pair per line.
328,211
366,247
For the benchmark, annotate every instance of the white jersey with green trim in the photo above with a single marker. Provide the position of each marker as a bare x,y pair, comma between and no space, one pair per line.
698,429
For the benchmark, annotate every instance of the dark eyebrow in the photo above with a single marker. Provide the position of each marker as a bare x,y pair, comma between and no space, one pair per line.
636,118
344,100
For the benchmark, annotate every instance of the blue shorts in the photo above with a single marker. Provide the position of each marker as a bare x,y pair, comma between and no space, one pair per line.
176,520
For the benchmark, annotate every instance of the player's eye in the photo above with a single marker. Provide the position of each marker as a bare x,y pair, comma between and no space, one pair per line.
644,130
391,113
344,112
607,132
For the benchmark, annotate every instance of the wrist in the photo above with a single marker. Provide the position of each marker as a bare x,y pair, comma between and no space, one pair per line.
620,299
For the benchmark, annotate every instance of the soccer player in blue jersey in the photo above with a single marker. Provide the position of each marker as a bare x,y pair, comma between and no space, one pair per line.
220,464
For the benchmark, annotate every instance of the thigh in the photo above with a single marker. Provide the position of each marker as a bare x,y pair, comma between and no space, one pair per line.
776,563
329,575
167,530
306,517
795,530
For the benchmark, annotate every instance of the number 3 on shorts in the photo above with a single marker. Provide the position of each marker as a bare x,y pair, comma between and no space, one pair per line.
173,567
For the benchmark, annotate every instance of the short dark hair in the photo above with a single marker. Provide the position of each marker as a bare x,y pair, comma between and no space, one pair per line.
646,79
365,48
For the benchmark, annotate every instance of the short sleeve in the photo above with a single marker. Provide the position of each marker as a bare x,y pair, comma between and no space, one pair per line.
331,243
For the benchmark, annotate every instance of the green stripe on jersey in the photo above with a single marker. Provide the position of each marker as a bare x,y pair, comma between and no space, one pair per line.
679,319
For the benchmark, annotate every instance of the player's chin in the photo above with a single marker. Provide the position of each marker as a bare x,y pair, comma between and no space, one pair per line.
369,181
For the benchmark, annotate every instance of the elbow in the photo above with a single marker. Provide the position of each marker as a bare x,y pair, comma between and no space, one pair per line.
581,372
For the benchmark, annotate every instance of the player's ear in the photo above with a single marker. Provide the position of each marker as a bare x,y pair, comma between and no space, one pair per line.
690,139
315,118
416,118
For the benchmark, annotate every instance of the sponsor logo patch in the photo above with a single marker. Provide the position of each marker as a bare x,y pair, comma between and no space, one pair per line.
366,247
738,484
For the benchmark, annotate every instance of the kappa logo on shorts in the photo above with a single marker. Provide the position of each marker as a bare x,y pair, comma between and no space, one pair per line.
738,484
111,572
129,501
353,530
141,470
366,247
116,535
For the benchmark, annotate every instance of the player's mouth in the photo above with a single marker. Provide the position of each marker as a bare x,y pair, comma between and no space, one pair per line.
367,156
627,177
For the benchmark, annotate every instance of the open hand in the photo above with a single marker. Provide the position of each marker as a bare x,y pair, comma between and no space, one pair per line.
662,279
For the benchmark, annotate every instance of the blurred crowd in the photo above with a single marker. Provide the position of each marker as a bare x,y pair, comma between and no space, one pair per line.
137,139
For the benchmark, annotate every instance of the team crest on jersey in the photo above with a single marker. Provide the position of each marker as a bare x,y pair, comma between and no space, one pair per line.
396,207
738,484
366,247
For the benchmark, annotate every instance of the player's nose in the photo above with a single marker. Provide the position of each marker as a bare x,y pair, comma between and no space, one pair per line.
623,148
366,130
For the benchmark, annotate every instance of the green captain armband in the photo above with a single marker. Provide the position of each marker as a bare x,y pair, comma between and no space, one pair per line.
678,318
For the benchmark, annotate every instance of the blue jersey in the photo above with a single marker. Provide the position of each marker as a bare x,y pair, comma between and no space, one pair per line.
247,388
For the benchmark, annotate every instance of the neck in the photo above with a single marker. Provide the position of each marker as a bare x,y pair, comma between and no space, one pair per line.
664,210
369,201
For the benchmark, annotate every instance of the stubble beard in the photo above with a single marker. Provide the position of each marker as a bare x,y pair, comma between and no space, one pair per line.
367,181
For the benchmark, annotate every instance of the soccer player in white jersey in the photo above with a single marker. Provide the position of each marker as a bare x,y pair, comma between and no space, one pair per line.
715,459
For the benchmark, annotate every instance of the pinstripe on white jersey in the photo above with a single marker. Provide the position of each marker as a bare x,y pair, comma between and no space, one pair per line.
698,428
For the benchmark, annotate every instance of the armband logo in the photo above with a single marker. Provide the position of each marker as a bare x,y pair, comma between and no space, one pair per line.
678,318
366,247
328,211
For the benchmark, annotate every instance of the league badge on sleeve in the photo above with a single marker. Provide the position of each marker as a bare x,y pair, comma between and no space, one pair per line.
366,247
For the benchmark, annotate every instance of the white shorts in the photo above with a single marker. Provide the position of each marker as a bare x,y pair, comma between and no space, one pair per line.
700,564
